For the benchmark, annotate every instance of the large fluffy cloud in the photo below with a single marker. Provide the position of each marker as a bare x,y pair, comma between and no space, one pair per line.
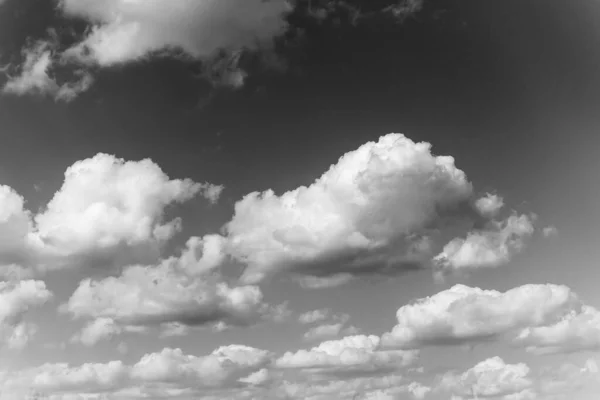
106,201
16,298
386,207
183,290
464,314
106,205
366,211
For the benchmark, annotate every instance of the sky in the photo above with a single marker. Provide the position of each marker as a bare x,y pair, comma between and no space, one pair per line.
326,199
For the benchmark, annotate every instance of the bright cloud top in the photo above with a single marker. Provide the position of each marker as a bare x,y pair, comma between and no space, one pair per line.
376,209
105,204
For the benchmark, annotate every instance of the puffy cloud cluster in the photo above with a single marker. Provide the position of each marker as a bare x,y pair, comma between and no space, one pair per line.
464,314
351,354
382,208
178,292
365,212
492,378
16,299
157,374
106,208
488,247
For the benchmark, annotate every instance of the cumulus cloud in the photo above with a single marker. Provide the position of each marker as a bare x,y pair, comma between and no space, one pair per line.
464,314
179,290
368,212
166,372
16,299
106,208
489,247
492,378
578,330
105,201
358,354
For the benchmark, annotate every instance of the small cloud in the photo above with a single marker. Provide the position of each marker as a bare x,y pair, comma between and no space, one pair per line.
550,231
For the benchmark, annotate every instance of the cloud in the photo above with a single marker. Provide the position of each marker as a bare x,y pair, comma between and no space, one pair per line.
489,247
578,330
550,231
34,75
313,316
492,378
105,201
223,366
367,213
161,374
125,31
357,355
183,290
16,299
327,331
489,205
464,314
106,208
392,386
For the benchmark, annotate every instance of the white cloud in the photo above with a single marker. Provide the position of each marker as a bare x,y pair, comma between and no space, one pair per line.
313,316
126,31
34,72
368,212
489,205
489,247
356,354
180,290
223,366
96,330
34,76
16,299
106,201
164,373
107,211
464,314
492,378
578,330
